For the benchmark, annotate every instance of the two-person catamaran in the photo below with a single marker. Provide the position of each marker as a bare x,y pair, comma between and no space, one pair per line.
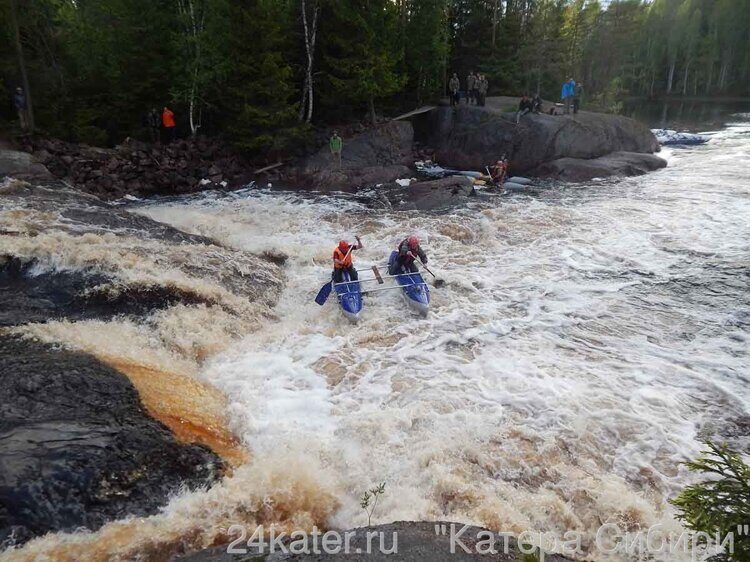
349,292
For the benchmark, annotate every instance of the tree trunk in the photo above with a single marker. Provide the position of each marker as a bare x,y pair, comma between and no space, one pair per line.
373,116
22,63
670,76
723,74
653,82
685,81
495,17
710,77
306,105
695,82
194,24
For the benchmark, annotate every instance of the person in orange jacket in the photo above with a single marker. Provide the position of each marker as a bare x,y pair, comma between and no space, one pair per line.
167,121
342,260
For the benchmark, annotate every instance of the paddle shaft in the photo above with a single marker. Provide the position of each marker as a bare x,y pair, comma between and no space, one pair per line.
427,269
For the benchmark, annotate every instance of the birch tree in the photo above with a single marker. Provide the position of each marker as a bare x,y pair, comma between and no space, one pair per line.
310,29
193,19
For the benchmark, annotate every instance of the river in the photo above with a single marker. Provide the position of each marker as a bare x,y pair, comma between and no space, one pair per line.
586,339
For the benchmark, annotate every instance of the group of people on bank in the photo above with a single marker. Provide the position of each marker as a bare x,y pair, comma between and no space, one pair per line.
161,126
571,96
477,86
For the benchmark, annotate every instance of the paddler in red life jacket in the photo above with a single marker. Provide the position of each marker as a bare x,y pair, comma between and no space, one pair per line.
408,251
342,260
499,171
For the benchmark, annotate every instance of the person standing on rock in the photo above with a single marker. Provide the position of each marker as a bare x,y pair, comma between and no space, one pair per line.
483,87
568,89
153,122
577,95
19,102
477,85
471,83
167,120
453,86
337,144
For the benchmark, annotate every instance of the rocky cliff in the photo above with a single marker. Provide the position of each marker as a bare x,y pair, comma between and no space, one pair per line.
98,416
378,155
470,137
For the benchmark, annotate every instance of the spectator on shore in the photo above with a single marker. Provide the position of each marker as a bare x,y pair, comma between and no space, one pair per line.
453,87
568,90
153,122
482,89
167,120
577,95
19,103
471,88
536,103
337,144
524,107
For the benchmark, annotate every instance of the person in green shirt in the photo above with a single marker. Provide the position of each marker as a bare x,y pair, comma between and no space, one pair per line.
336,145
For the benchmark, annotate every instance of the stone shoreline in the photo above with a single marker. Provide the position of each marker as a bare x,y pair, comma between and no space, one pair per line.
564,147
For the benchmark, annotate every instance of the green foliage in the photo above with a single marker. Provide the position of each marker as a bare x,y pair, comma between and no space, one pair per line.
609,100
720,504
426,49
361,54
260,103
236,67
369,500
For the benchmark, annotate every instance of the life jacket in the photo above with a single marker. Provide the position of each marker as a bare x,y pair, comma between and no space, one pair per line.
168,119
342,256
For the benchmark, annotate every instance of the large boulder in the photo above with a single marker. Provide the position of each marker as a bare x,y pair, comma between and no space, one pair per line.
379,155
77,448
615,164
469,137
22,165
442,193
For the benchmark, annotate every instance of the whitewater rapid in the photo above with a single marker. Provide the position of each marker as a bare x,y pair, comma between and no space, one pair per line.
586,339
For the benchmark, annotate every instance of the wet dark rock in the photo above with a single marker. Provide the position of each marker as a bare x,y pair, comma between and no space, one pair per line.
441,193
470,137
89,210
377,155
28,295
76,447
417,541
615,164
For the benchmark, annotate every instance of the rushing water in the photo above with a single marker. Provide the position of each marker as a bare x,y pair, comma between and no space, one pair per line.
586,338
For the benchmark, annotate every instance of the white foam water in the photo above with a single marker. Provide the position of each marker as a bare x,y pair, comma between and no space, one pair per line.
586,338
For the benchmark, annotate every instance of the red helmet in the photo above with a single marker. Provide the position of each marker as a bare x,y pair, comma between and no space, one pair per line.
344,246
413,242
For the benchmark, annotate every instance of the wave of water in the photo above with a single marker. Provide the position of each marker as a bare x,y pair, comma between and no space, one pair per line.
585,340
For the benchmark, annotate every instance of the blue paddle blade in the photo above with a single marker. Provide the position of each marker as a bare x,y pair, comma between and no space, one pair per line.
325,290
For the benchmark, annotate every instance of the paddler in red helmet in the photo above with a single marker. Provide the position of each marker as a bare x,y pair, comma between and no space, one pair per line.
342,260
408,251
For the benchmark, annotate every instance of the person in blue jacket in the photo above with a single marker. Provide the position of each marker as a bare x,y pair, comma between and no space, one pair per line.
568,90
